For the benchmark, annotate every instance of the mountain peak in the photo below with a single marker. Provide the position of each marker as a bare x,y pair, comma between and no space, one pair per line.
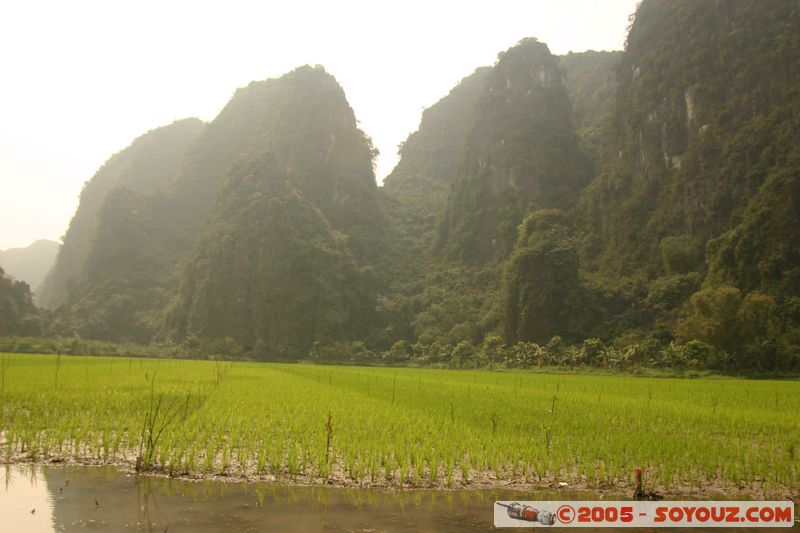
521,154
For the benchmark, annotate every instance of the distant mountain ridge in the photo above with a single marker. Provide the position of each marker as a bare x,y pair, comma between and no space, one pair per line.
31,263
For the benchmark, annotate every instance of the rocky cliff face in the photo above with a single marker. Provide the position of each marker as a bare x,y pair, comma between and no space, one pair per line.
305,121
522,154
429,157
687,223
415,193
591,82
702,116
279,262
135,265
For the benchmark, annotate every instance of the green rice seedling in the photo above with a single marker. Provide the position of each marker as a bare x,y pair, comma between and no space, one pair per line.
261,465
190,459
275,460
373,466
45,443
323,467
292,461
242,456
433,467
208,460
387,469
404,471
419,466
449,464
226,460
464,465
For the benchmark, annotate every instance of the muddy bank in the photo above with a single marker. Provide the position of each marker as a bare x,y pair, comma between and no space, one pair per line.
479,481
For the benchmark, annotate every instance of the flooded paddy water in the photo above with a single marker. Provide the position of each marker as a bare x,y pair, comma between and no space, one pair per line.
75,498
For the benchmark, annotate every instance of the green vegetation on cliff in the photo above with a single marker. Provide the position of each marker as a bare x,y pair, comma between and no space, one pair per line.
591,83
133,266
269,272
697,181
543,296
146,166
18,314
416,190
304,120
521,154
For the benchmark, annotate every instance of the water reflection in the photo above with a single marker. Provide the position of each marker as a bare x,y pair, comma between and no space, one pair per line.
25,502
103,499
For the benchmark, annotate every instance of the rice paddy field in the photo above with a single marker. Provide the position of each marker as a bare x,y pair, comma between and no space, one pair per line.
393,427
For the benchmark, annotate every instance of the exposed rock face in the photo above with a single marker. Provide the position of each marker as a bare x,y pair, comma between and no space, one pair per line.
699,122
521,154
591,82
429,157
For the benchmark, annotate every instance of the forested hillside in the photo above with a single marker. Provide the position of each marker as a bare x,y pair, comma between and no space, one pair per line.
687,234
270,273
591,82
692,221
282,261
448,299
610,208
521,154
133,266
304,120
417,188
146,166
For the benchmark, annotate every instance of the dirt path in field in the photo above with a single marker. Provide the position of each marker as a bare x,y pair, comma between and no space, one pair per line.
487,480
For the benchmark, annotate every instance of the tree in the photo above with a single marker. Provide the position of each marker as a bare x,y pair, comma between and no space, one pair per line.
542,291
713,318
18,315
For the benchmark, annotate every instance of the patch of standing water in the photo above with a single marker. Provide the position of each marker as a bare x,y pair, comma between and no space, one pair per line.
26,504
73,498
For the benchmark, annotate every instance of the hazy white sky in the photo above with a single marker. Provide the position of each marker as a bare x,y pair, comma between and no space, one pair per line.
79,80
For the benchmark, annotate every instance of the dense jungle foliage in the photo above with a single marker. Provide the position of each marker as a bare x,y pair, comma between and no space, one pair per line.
18,314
